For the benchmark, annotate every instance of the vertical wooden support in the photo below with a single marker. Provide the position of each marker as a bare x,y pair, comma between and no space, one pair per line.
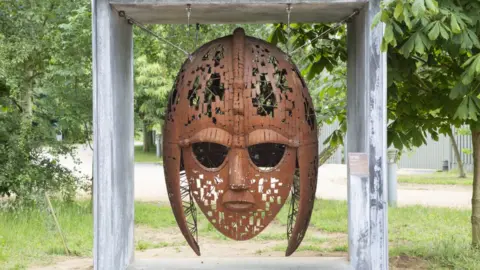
367,95
113,138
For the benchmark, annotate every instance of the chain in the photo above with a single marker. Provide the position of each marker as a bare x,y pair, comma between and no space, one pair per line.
333,28
197,27
289,11
189,13
132,21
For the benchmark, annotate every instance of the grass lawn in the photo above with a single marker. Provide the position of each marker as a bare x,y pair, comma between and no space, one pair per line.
439,236
29,236
146,157
438,178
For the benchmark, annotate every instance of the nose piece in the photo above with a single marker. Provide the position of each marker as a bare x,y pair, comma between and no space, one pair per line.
237,198
238,162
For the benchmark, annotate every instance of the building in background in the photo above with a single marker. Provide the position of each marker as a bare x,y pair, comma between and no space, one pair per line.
429,156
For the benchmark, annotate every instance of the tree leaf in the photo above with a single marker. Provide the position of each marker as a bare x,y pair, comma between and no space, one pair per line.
443,32
398,10
472,109
462,110
454,24
470,60
434,32
473,38
458,91
388,35
432,5
376,19
476,101
419,45
384,46
473,69
476,64
406,18
408,47
398,28
418,7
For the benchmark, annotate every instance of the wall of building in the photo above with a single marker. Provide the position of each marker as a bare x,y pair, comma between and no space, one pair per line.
429,156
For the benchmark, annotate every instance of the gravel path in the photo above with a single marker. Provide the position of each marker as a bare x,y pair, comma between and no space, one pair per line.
332,184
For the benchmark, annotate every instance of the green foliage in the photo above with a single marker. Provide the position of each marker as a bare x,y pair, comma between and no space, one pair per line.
27,171
433,58
45,89
321,59
434,50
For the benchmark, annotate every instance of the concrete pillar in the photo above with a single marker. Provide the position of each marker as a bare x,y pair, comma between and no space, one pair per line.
159,145
113,138
392,177
366,136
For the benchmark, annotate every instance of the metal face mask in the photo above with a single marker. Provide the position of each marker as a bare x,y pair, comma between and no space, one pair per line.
240,136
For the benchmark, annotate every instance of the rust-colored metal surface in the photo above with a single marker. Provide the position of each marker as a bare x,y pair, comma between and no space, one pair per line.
240,137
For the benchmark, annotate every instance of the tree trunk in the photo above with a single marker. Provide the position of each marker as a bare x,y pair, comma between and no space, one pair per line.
458,157
27,95
326,154
476,186
147,138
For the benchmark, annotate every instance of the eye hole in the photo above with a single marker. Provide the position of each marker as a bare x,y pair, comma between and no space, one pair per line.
210,155
266,155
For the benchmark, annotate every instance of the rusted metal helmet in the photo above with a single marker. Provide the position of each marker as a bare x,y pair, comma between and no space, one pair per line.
240,136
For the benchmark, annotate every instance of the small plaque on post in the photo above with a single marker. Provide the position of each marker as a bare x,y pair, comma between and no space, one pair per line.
358,164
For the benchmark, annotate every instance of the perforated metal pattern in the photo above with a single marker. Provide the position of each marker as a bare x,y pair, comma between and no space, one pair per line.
241,92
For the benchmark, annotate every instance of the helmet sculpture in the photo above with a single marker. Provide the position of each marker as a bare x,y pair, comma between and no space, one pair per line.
240,136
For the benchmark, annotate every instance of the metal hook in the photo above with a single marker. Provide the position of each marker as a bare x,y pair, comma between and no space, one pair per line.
350,18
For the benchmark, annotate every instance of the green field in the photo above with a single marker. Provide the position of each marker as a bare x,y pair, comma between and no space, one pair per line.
439,237
146,157
437,178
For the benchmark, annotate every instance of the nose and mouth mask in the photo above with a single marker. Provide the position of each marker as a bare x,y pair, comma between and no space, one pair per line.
240,139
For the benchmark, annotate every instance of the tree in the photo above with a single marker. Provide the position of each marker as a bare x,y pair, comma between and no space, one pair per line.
46,88
151,89
434,59
458,157
433,71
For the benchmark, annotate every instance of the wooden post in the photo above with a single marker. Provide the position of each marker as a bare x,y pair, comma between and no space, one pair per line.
113,138
366,113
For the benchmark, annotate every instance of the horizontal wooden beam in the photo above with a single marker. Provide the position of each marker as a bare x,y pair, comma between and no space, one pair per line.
239,11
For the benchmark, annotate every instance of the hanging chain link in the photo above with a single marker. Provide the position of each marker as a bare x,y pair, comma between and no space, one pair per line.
289,30
189,14
333,28
197,27
132,21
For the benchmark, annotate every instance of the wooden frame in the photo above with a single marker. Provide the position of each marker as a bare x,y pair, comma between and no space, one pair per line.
113,115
